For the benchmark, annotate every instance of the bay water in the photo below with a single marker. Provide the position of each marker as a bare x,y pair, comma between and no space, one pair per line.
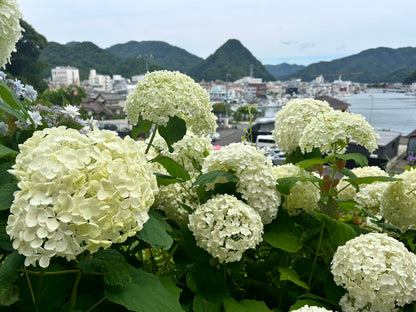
385,110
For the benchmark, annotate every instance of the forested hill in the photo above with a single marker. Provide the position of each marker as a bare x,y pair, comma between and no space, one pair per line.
283,69
158,53
231,58
372,65
86,56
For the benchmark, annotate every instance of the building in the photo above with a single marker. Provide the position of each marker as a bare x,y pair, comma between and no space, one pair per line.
63,77
334,103
100,82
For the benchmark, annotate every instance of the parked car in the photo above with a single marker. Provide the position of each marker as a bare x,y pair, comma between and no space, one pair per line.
268,146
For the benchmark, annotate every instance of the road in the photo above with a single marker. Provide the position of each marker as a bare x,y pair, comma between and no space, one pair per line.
230,135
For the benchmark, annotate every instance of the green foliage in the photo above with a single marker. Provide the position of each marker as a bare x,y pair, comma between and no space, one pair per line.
25,64
156,232
157,53
231,58
282,70
72,95
370,66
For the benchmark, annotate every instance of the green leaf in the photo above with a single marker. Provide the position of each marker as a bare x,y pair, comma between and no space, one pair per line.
164,179
11,104
200,304
369,180
8,270
246,305
110,262
173,168
5,151
358,158
173,132
338,232
143,126
144,293
284,185
155,232
283,234
211,176
6,195
5,242
310,162
10,296
231,305
288,274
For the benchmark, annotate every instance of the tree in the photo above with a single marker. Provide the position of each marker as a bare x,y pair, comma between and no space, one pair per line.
219,108
410,79
25,64
244,112
72,95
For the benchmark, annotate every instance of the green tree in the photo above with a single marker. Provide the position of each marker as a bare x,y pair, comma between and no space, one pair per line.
219,108
72,95
25,64
410,78
243,113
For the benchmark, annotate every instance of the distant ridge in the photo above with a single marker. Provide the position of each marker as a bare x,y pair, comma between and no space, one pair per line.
372,65
158,52
284,69
232,58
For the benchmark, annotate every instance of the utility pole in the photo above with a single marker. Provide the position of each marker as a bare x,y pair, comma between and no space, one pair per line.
226,99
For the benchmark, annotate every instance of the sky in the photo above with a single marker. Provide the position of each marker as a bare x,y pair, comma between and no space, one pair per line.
274,31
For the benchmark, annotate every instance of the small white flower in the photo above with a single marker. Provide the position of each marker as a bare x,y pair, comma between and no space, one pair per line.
4,128
36,117
30,93
307,308
71,111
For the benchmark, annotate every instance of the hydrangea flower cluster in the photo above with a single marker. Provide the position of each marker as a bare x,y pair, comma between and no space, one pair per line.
331,131
189,152
10,30
256,181
378,272
304,196
307,308
369,195
21,90
77,193
226,227
172,197
291,120
164,94
398,201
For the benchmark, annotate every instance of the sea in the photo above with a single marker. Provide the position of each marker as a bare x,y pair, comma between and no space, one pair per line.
384,110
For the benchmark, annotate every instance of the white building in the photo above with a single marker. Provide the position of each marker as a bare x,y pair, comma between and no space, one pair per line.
65,76
100,82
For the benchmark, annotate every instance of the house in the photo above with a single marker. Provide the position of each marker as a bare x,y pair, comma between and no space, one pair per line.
108,105
334,103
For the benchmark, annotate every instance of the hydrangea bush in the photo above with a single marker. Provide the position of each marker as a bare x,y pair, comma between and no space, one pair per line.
93,222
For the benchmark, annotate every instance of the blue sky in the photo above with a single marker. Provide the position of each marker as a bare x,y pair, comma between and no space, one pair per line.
275,31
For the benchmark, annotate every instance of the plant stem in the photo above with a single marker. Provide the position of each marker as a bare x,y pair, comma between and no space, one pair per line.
30,288
321,235
96,304
73,299
151,140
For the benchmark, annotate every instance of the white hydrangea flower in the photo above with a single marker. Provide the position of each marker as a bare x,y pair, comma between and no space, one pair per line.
256,181
291,120
188,152
303,195
398,203
307,308
337,127
369,195
172,197
71,111
10,30
164,94
378,272
78,193
36,117
226,227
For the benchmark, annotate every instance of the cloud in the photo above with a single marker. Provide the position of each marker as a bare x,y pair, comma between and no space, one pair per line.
288,42
306,45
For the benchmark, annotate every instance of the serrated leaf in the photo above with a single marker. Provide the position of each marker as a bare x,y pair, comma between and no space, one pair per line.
369,180
173,168
144,293
164,179
310,162
173,132
10,99
358,158
111,263
288,274
9,270
10,296
338,232
155,232
211,176
283,234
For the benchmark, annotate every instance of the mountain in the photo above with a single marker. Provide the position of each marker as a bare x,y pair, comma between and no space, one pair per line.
86,56
283,69
372,65
158,53
232,58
